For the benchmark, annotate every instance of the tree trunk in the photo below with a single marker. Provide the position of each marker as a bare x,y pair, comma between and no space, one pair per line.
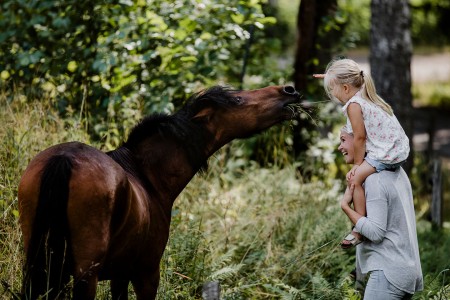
390,60
309,59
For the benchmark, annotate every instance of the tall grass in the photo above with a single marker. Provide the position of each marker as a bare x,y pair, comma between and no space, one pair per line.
261,233
267,234
26,129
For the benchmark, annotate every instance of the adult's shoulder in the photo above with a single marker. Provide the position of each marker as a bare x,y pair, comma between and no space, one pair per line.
380,182
386,177
374,178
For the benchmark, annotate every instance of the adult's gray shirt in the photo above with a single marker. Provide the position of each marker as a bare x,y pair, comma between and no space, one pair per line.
390,227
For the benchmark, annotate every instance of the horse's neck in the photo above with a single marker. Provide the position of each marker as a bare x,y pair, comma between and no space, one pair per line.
166,166
124,157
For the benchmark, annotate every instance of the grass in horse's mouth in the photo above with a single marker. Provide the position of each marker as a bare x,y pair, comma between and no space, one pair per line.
296,109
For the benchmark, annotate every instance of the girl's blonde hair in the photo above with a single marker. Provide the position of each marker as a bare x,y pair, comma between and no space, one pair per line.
347,71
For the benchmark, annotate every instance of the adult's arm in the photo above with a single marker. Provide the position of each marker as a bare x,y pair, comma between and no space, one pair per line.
373,227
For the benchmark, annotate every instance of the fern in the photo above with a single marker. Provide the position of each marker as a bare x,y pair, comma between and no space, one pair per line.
226,272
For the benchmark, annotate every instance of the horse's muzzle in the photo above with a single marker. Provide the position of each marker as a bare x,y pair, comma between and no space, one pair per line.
290,90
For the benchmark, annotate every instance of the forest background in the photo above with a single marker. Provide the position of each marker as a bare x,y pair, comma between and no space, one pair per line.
264,221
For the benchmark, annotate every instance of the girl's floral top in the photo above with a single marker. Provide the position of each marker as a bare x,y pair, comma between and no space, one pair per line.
386,140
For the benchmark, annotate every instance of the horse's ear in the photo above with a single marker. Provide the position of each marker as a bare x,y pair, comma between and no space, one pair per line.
204,115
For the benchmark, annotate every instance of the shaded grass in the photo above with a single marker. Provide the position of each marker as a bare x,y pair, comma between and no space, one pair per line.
26,129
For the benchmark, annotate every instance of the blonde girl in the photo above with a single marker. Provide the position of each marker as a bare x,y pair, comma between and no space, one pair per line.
380,143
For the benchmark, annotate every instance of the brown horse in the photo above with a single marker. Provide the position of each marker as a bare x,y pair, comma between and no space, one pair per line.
106,216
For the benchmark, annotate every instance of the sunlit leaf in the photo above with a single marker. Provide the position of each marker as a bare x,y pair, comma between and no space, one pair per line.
72,66
238,19
4,75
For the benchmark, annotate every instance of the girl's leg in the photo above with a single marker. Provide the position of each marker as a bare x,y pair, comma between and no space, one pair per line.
359,198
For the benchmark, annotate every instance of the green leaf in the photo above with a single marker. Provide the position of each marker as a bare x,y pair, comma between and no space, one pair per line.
238,19
72,66
268,20
99,65
4,75
180,34
24,59
187,24
61,23
36,56
189,58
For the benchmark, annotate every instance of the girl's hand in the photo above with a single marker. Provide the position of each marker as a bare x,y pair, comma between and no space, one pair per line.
319,75
351,173
347,199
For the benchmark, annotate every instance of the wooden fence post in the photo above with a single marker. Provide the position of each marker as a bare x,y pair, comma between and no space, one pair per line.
436,198
211,290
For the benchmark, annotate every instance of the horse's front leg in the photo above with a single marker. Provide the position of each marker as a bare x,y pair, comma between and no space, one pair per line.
146,286
119,289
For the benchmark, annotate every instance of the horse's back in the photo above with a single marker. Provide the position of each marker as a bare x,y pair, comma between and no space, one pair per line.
96,184
89,166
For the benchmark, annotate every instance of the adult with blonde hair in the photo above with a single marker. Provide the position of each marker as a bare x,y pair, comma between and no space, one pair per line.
379,140
390,252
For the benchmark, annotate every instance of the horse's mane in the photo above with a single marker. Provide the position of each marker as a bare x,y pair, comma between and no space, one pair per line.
180,126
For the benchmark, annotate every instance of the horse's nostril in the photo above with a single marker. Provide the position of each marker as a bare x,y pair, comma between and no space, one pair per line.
289,90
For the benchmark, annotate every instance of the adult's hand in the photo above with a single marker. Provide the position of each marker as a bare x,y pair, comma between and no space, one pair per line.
347,199
352,172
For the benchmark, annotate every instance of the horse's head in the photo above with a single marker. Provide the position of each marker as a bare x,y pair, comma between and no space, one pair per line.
230,114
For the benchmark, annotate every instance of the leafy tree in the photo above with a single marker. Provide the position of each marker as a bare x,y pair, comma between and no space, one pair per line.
320,26
115,58
430,22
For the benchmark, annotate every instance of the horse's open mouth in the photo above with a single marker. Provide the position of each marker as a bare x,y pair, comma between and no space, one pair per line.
293,102
296,107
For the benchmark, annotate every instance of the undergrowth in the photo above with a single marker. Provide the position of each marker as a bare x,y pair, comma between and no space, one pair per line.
261,233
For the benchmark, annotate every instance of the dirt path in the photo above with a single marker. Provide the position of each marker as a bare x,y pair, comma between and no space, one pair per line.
424,68
434,67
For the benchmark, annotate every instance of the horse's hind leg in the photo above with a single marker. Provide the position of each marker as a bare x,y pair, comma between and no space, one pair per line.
87,262
146,286
119,289
85,287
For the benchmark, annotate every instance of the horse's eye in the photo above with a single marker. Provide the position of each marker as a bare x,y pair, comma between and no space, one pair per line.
238,99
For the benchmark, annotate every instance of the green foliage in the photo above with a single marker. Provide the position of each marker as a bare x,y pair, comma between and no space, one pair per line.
26,130
433,248
430,22
113,58
432,94
357,14
183,264
439,242
268,234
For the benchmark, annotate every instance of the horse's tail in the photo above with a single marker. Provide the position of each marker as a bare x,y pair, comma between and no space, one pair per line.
49,258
